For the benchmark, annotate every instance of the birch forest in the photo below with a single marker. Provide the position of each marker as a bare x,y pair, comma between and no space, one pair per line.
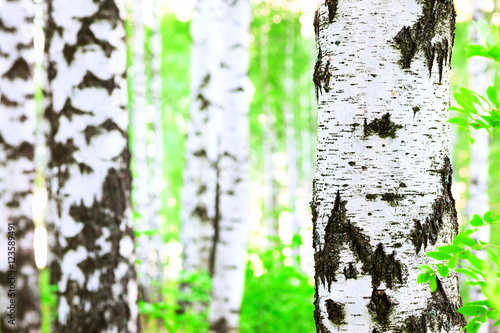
251,166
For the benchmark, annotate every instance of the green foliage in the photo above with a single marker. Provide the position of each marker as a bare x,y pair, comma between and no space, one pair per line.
479,272
279,300
174,310
48,300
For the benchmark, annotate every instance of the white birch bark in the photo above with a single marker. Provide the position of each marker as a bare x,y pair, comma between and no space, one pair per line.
20,302
233,171
291,150
479,80
382,190
140,183
157,188
89,161
200,175
270,204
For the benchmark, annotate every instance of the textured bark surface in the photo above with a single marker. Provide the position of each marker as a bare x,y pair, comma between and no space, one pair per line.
18,273
140,192
200,175
89,167
233,174
382,190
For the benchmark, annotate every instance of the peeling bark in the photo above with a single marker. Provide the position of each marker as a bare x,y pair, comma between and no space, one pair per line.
18,272
382,191
89,168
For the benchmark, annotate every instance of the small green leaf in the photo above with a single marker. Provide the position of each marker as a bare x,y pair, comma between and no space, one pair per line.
450,249
443,270
493,314
438,255
467,272
459,121
476,221
452,262
488,218
472,310
426,268
496,323
433,283
423,278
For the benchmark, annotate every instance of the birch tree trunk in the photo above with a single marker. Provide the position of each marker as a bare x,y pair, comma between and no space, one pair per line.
20,299
140,179
231,235
270,202
479,152
158,176
291,150
382,190
199,204
89,158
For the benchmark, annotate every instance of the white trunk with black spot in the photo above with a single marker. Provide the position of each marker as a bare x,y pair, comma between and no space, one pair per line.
140,171
382,190
157,189
200,175
233,182
89,167
17,168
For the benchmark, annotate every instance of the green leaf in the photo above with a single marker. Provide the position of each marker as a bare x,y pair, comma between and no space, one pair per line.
459,121
467,272
491,92
423,278
443,270
476,221
472,327
493,314
489,218
433,283
462,239
438,255
469,94
472,310
426,268
452,262
475,261
450,249
496,323
477,50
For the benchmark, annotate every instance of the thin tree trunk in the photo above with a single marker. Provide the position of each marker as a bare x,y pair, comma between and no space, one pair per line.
291,150
158,176
140,171
198,212
479,152
20,299
233,170
269,145
89,158
382,190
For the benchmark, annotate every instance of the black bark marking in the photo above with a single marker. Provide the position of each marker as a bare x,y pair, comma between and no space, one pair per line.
20,69
439,315
385,268
380,306
24,149
321,78
4,28
108,11
382,127
106,213
411,40
391,198
220,326
335,311
204,102
338,231
332,9
91,80
316,23
427,232
350,271
69,110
